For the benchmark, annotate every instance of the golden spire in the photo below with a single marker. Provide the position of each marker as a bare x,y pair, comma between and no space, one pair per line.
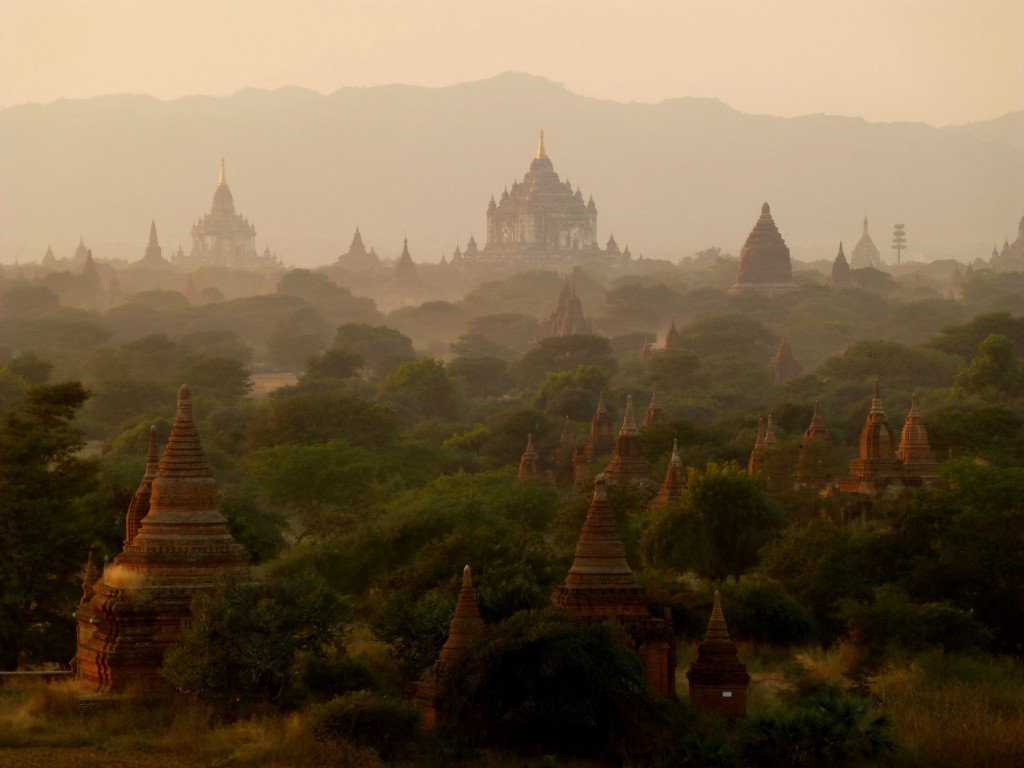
541,154
223,180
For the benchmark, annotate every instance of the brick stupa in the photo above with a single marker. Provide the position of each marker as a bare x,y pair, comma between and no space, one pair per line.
655,413
765,266
529,463
674,484
814,462
784,366
465,630
877,465
718,679
628,464
601,587
176,546
914,451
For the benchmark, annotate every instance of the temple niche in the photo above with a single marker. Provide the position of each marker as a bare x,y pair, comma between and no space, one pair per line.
764,260
601,587
176,545
223,238
542,217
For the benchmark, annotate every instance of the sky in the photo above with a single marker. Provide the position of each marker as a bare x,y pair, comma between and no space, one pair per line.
936,61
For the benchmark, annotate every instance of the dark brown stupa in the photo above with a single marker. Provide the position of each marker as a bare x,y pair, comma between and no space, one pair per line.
465,630
568,318
133,613
764,260
919,464
529,463
814,462
628,464
841,277
877,464
674,484
600,587
602,433
784,366
718,679
655,413
756,461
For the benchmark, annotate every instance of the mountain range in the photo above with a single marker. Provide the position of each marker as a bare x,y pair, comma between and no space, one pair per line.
402,161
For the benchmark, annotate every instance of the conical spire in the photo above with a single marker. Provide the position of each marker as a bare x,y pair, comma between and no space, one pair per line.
529,463
566,435
769,433
718,679
655,414
139,506
759,442
673,484
223,177
541,154
466,626
628,422
876,402
600,561
717,629
152,233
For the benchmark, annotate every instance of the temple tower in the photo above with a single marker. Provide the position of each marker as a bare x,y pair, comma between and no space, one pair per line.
784,366
600,587
841,276
718,679
655,413
465,630
864,253
154,256
764,260
674,484
814,462
568,318
529,463
919,464
357,258
602,436
628,464
877,464
133,612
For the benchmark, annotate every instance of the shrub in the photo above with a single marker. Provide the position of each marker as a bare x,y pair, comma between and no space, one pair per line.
367,719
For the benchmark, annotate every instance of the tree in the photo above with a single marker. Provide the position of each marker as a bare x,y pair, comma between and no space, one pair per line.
566,353
382,348
47,525
481,376
726,518
993,377
425,384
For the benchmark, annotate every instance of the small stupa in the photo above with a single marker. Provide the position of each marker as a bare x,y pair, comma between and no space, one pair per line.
914,451
628,464
674,484
655,413
529,463
718,679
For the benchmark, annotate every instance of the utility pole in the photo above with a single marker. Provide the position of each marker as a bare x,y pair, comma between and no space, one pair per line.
899,241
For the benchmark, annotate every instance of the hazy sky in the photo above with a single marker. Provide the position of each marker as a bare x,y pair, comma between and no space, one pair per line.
938,61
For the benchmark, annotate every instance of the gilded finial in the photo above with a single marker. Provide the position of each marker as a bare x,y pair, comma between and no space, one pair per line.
223,178
541,154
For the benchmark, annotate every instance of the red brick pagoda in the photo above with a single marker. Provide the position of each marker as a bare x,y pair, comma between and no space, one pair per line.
628,464
718,679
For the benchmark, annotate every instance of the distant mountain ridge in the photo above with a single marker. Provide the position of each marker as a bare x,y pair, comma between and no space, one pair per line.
408,161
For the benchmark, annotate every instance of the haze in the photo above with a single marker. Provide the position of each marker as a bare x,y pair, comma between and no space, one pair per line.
937,61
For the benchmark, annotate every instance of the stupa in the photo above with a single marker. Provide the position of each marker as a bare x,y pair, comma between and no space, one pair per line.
357,258
814,462
764,260
864,253
568,318
466,628
529,463
655,413
177,547
154,256
914,451
877,465
601,587
784,366
841,277
674,484
718,679
628,464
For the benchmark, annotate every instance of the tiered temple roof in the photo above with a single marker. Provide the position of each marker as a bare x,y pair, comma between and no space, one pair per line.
133,613
919,464
864,253
718,679
154,256
877,464
764,259
655,413
841,276
357,258
628,462
674,484
568,318
814,462
600,586
784,366
529,463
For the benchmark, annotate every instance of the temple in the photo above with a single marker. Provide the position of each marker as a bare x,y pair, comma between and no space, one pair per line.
655,413
223,238
914,451
764,260
600,441
877,465
176,545
864,253
628,464
841,276
1011,257
784,366
568,318
814,462
529,463
466,628
600,587
357,258
674,484
718,679
154,256
542,218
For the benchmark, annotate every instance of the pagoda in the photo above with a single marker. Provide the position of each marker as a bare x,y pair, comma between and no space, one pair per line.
718,679
600,587
1011,257
841,277
357,258
628,464
814,462
176,546
764,260
655,413
224,238
914,451
568,318
877,464
154,256
541,217
784,366
529,464
864,253
466,629
600,442
674,484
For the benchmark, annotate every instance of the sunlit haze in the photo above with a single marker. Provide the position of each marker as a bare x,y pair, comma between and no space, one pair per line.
937,61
